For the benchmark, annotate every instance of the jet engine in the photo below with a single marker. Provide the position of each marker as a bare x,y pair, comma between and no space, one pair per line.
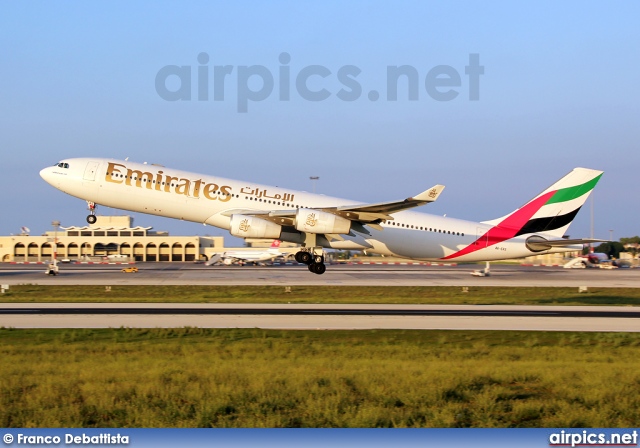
244,226
537,243
314,221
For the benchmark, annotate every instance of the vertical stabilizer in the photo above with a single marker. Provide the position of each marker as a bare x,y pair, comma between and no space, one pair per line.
552,211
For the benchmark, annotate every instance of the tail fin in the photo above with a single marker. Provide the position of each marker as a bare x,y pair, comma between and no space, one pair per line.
554,209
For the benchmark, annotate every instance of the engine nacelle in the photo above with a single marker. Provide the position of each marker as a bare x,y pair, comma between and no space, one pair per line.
314,221
536,243
244,226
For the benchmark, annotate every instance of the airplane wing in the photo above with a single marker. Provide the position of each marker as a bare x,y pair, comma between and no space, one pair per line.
383,210
369,214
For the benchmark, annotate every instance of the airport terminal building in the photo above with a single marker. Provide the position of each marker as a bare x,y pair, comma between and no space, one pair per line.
111,238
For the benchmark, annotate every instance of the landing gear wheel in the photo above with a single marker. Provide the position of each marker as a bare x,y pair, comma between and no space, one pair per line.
318,268
91,219
311,267
318,259
303,257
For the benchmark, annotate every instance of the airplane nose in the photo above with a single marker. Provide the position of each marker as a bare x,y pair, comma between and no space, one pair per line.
47,175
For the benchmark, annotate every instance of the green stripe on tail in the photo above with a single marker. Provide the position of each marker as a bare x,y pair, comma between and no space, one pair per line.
570,193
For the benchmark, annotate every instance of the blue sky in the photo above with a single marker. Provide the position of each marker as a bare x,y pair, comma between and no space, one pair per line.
560,89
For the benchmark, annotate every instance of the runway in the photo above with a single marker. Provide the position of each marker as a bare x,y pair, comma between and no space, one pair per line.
323,317
320,317
347,275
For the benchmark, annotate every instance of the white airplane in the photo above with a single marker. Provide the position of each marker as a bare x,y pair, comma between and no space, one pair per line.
248,256
249,210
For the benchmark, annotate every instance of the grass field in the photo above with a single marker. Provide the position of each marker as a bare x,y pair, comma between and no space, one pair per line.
256,378
325,294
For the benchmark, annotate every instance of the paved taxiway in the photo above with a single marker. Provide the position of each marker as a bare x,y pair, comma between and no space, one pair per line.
356,275
318,316
367,316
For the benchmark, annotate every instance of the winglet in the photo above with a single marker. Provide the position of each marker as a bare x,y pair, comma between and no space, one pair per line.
429,195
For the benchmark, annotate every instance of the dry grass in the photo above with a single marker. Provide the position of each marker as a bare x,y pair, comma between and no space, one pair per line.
256,378
325,294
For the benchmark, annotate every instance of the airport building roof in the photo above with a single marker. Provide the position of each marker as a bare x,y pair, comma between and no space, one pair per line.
110,237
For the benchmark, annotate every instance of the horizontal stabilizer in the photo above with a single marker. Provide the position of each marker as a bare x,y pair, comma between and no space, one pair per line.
537,243
560,243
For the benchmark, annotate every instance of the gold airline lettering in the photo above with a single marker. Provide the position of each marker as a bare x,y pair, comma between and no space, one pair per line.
137,176
226,193
183,187
111,170
169,184
244,225
210,191
311,220
286,197
196,188
159,180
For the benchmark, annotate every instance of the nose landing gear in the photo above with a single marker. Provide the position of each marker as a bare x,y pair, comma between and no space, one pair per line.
313,258
92,218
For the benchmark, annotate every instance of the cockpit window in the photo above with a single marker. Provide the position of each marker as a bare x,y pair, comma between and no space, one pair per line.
66,165
61,165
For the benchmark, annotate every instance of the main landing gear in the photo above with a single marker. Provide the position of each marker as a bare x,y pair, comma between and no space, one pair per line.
313,258
486,272
92,218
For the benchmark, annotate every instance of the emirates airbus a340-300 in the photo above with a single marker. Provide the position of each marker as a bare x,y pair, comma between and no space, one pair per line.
316,222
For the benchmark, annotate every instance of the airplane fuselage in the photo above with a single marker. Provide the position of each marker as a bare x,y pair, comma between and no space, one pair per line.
213,200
